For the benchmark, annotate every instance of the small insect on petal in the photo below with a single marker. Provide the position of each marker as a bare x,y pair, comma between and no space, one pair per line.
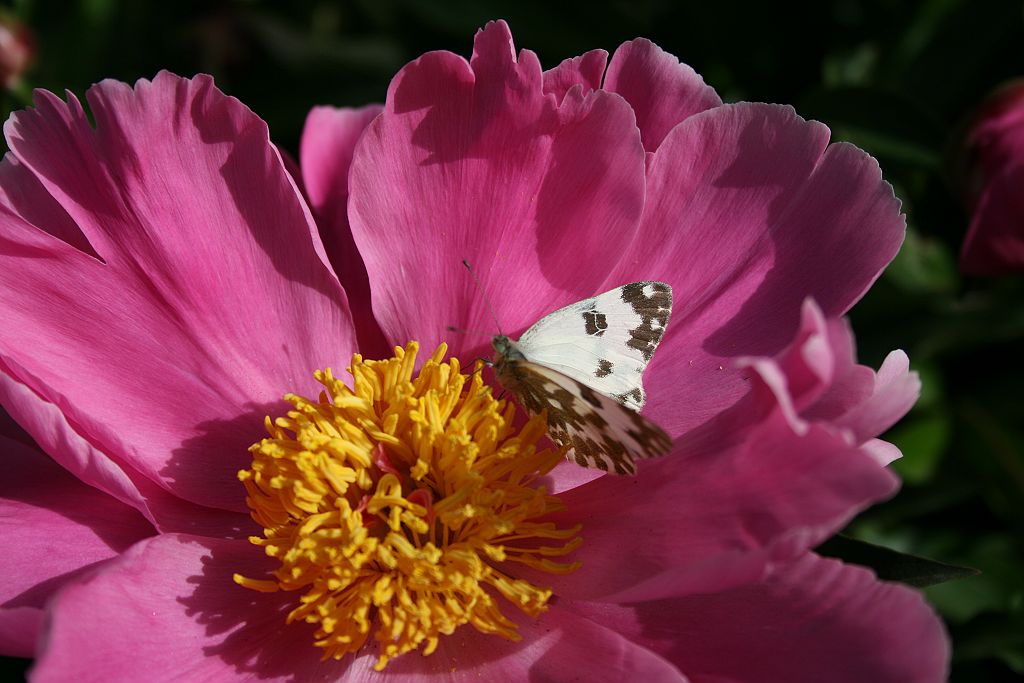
583,366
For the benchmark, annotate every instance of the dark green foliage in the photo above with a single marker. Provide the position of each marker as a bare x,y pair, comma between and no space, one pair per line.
891,565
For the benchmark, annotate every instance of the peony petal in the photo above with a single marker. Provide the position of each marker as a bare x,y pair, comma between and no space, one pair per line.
851,383
52,528
661,90
747,215
568,475
816,378
328,142
170,609
585,71
882,451
708,521
894,393
23,194
169,605
812,620
473,161
54,436
213,296
801,373
558,646
19,630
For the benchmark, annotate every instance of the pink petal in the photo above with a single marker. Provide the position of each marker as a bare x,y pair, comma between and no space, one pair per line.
798,375
19,630
558,646
473,161
813,620
52,528
51,431
585,71
816,378
850,384
661,90
328,142
23,194
747,215
169,608
894,393
882,451
710,520
568,475
213,296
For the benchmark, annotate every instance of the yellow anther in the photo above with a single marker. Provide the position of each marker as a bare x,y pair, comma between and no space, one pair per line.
391,505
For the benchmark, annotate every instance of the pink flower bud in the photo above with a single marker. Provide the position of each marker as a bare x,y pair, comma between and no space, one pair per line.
993,184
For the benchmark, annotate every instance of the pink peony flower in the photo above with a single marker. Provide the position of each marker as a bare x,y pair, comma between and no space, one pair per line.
994,175
163,284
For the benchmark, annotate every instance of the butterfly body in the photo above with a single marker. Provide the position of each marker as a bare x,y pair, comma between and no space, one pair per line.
583,364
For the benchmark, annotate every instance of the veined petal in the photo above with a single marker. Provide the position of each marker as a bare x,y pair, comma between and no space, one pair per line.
707,521
328,142
49,428
747,215
210,292
52,528
169,605
586,71
473,161
661,90
558,646
810,620
817,379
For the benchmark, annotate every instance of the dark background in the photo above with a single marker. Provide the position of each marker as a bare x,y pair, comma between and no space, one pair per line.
899,79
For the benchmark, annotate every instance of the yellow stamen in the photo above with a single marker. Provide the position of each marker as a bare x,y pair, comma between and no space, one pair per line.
401,506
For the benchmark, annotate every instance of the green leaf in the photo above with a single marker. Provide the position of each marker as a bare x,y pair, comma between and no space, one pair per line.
922,440
924,265
891,565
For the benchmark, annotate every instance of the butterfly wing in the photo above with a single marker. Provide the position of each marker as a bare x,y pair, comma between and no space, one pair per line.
604,342
602,432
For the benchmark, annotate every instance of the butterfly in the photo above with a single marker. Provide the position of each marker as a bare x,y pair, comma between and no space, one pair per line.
584,364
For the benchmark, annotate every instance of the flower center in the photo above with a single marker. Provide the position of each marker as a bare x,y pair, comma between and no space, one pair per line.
403,505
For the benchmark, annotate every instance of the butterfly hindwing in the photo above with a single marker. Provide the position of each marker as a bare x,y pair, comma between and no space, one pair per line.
602,432
605,342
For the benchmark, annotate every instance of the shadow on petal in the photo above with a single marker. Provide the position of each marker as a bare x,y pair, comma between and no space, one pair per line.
247,630
221,446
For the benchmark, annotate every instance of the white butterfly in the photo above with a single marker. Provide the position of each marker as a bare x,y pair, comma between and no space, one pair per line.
584,364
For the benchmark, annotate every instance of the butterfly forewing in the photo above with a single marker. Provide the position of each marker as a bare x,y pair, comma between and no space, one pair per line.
606,341
601,431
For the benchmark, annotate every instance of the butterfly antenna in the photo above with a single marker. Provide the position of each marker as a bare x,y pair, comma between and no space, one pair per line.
483,292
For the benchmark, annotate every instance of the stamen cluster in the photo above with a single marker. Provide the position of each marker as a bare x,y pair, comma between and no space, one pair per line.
402,506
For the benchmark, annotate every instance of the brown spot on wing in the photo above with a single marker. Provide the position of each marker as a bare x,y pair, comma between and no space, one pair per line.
636,394
594,322
653,308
